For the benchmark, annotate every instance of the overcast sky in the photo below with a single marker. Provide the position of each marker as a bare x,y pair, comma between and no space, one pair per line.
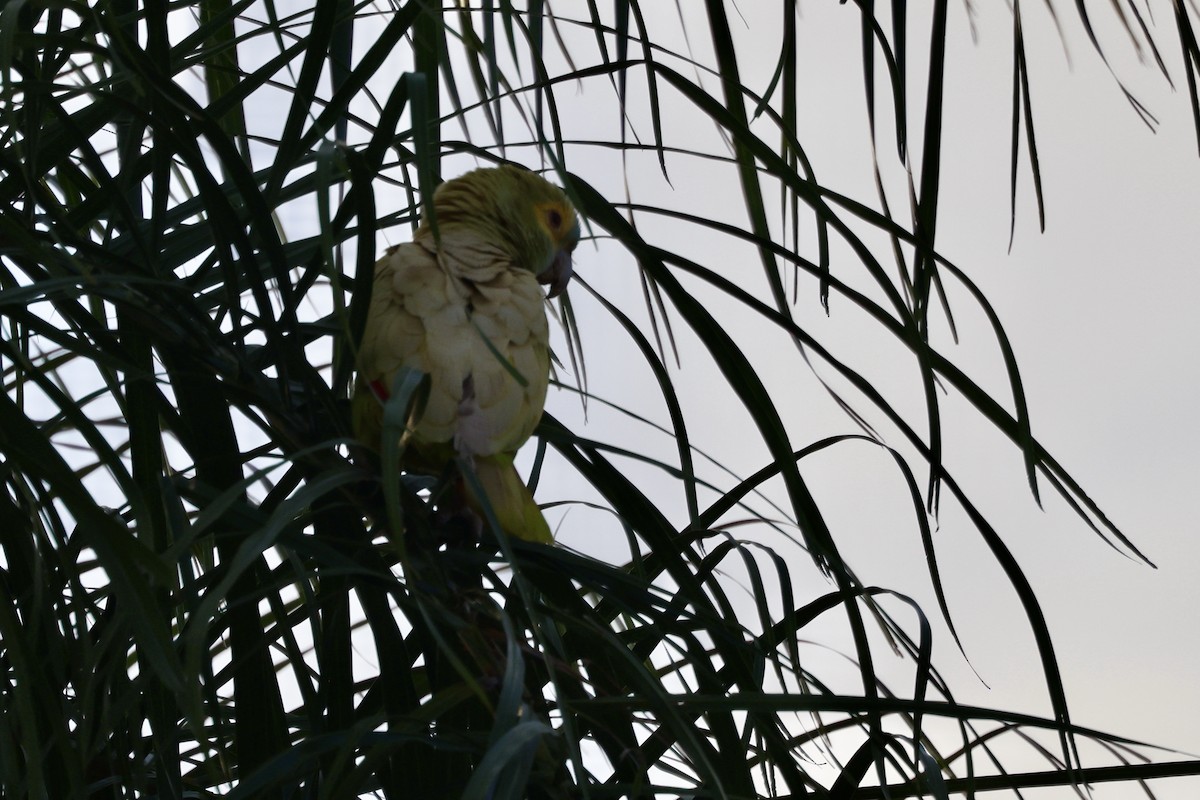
1099,309
1101,313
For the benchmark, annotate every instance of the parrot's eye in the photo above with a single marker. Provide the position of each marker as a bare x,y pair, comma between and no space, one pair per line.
554,218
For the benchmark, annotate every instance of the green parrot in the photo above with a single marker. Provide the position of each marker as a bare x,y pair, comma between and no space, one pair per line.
464,306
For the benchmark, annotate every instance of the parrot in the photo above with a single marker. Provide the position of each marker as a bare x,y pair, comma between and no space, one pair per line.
463,303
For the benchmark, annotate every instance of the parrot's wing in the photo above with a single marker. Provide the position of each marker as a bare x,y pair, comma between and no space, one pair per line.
477,327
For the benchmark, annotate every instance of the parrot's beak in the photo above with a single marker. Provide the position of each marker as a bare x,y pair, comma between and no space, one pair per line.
558,274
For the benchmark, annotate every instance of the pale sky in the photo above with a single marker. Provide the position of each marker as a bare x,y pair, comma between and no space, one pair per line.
1098,309
1099,312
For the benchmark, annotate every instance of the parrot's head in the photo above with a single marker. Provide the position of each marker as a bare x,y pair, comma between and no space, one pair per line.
520,210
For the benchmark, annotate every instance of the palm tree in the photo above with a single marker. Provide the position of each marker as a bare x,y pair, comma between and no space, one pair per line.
197,599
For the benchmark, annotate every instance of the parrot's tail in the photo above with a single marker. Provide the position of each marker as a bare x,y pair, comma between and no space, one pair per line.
510,499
